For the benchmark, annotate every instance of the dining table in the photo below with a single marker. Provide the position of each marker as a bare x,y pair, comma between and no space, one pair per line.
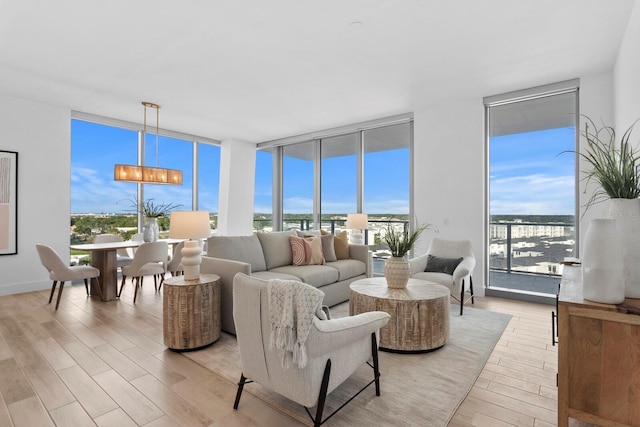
104,258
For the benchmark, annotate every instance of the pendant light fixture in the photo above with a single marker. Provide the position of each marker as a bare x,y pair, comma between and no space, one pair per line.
147,174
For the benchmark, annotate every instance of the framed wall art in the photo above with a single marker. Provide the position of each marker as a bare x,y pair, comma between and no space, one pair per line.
8,202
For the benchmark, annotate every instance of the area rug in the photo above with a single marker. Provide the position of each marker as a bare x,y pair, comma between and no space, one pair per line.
416,389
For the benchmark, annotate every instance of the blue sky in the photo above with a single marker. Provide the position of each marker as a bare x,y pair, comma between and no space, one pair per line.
528,176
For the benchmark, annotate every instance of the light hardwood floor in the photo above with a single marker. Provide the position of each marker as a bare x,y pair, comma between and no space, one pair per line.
95,363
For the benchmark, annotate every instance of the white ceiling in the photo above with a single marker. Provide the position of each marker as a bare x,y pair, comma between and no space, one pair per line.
260,70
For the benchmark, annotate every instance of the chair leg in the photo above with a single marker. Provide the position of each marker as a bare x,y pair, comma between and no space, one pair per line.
122,285
138,284
323,394
241,384
59,294
376,367
462,298
53,288
86,286
155,282
161,281
471,289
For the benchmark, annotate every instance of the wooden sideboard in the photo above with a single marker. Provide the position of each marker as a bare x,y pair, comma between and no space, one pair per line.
598,358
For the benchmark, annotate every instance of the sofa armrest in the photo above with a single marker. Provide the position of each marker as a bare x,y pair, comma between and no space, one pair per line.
418,264
226,269
359,252
328,335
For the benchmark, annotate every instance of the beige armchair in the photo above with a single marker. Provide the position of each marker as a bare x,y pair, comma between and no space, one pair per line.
335,349
443,268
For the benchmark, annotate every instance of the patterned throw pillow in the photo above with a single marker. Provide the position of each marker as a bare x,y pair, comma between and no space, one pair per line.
442,265
306,250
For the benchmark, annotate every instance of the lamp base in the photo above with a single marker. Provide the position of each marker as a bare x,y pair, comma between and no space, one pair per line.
356,238
191,260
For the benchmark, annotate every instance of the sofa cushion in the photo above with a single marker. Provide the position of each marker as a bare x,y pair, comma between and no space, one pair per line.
238,248
276,248
442,265
328,248
341,245
348,268
314,275
439,278
306,250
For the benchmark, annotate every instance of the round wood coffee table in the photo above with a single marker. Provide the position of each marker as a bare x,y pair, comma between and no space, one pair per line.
419,313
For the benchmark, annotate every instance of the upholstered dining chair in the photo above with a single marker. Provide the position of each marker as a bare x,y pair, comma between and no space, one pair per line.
335,349
175,264
122,256
150,259
449,263
59,271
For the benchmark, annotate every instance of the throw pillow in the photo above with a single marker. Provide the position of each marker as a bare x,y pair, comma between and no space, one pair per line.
328,248
306,250
442,265
301,256
341,245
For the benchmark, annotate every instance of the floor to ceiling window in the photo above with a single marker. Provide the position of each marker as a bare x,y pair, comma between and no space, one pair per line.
347,171
101,205
263,191
532,187
298,183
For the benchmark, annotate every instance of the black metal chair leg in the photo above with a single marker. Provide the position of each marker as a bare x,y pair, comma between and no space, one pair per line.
86,286
323,394
462,297
241,384
59,294
376,368
53,288
471,288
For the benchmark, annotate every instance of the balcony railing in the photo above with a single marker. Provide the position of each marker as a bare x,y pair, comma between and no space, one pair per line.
531,247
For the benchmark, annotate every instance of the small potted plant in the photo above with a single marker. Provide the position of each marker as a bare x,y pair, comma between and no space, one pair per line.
396,268
152,210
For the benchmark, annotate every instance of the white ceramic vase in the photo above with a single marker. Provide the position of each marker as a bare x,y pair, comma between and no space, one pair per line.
626,213
397,272
602,263
150,230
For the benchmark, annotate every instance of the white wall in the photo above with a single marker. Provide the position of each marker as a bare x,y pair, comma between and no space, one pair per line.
449,170
237,181
40,134
596,102
627,76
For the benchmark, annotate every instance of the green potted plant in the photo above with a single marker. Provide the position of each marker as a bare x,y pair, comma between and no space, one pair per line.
612,164
396,268
152,210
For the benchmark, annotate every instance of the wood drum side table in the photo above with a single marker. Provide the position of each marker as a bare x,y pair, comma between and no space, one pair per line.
191,312
419,313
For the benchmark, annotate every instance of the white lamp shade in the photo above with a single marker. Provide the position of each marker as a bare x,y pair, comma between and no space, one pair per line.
357,221
190,225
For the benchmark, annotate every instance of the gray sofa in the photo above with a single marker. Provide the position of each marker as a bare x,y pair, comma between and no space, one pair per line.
269,256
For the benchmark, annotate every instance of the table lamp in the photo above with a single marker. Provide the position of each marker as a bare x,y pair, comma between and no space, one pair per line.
357,222
192,225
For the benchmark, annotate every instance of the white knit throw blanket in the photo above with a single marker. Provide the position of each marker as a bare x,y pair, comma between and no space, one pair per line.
292,306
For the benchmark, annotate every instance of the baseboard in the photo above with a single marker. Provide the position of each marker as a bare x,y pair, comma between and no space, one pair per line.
520,296
20,288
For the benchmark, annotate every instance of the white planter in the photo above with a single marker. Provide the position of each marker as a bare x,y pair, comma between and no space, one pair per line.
602,263
626,213
397,272
150,230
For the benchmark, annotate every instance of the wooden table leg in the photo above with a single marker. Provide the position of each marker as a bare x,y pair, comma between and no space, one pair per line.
106,261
